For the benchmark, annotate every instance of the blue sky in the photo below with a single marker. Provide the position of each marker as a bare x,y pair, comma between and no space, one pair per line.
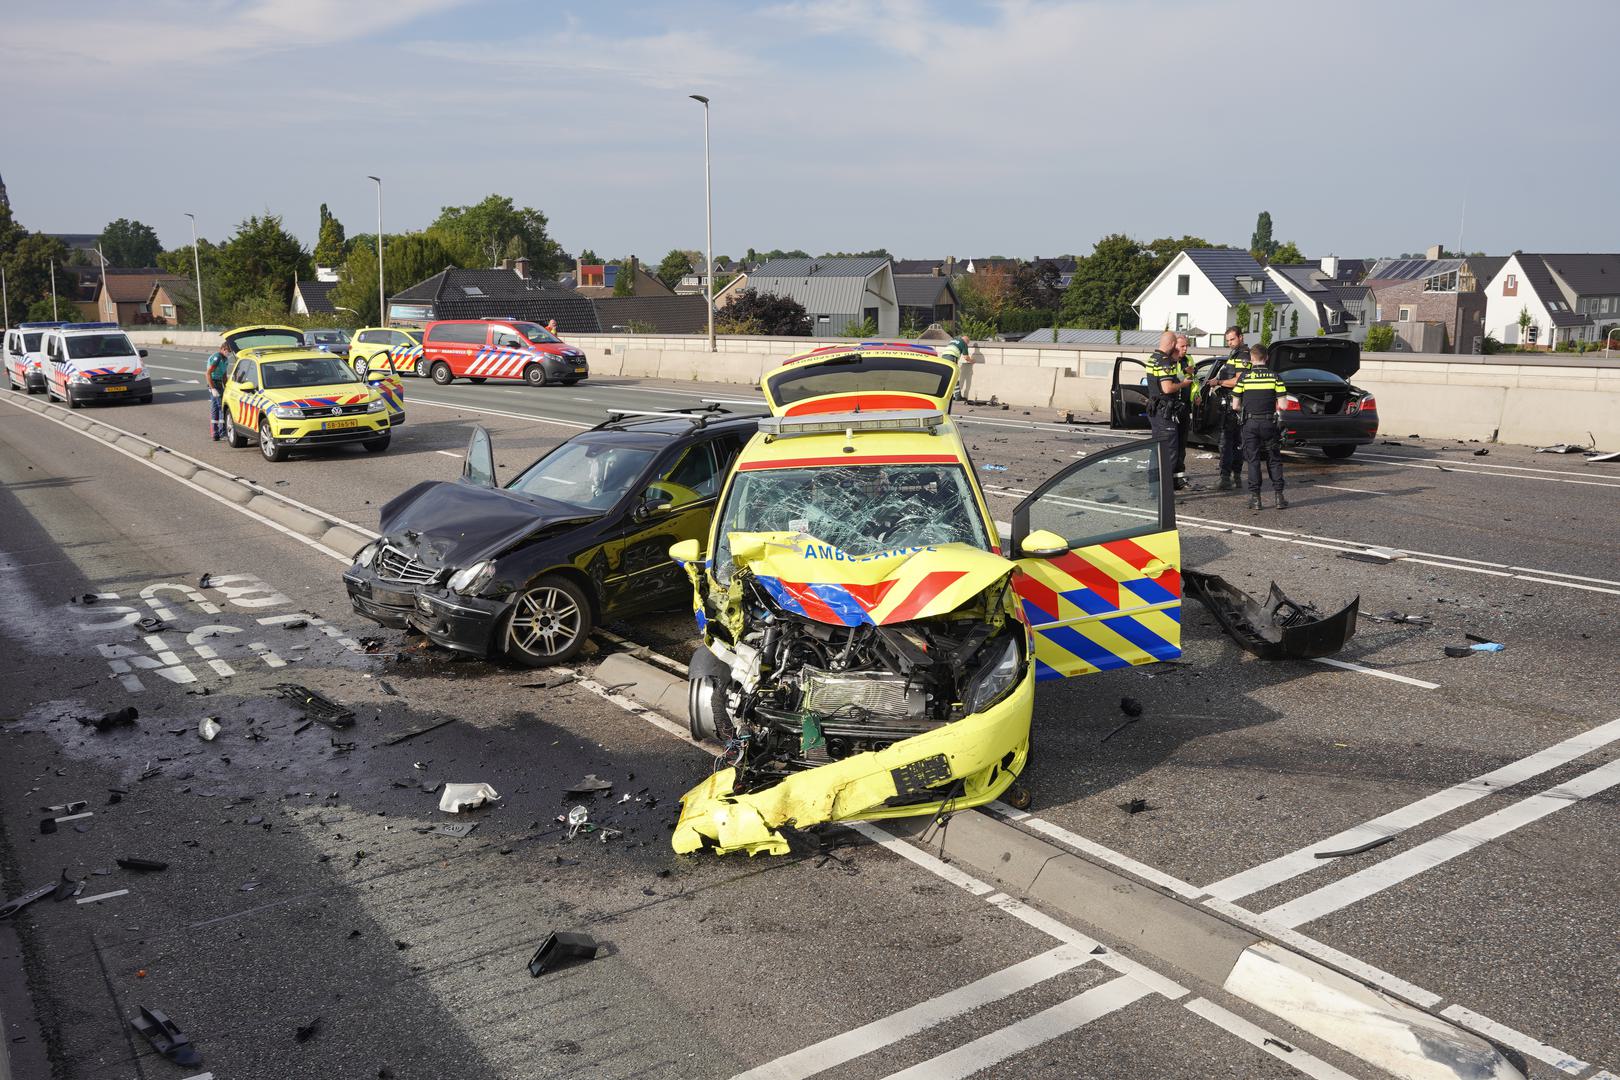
929,128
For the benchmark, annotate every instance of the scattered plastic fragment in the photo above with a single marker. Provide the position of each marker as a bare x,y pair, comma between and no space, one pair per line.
248,886
1562,448
1488,646
1613,455
1136,806
1399,617
577,817
988,467
1456,652
406,735
591,785
459,797
316,706
208,728
1357,850
116,718
101,896
306,1032
456,829
166,1037
204,582
151,625
70,807
150,866
370,644
559,948
1379,556
1279,630
11,907
1130,706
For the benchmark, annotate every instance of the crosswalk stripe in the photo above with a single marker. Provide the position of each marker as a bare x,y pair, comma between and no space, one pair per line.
1030,1032
835,1051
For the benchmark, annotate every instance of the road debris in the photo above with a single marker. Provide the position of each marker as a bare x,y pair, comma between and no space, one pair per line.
208,728
1357,850
1279,630
591,785
11,907
316,706
1457,652
117,718
205,582
79,804
306,1032
147,866
101,896
370,644
559,948
407,735
577,819
459,797
1487,646
1379,556
459,830
166,1037
1612,455
1133,712
1137,806
1400,617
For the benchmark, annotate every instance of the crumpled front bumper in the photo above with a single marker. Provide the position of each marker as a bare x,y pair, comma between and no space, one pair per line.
986,751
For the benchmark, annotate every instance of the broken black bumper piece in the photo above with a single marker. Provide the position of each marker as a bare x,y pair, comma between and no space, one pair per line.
560,948
166,1037
1279,629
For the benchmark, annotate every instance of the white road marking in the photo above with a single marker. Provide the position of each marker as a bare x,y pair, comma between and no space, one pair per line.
1358,491
1030,1032
830,1053
911,853
1108,958
447,453
497,412
1348,666
1304,860
1308,1064
1442,849
1507,1036
1468,463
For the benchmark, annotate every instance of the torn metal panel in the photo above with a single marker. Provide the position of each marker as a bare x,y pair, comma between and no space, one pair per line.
1280,629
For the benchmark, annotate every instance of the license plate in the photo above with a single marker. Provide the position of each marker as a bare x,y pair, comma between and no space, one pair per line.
581,370
334,425
114,389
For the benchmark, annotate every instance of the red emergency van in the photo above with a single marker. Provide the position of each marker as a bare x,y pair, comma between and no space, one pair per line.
479,349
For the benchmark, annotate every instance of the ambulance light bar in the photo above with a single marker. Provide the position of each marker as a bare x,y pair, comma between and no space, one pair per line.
920,420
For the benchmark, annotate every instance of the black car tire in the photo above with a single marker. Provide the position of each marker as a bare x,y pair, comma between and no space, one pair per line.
72,403
377,446
549,623
361,366
234,438
272,450
534,375
441,373
1339,452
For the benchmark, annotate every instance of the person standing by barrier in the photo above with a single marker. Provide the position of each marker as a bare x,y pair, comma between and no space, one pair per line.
1226,378
1166,381
219,367
1255,395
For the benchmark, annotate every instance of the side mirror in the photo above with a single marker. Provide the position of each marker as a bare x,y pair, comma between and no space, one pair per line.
142,352
1042,544
247,387
686,552
655,501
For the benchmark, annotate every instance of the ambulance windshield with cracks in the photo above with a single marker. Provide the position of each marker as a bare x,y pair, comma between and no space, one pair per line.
858,509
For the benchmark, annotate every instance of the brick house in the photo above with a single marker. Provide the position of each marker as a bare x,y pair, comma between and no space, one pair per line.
1435,305
126,297
173,300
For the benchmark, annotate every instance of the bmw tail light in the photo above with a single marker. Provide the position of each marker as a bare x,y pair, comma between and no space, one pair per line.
1369,404
1288,403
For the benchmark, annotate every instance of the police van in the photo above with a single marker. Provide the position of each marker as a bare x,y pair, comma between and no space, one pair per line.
87,362
24,353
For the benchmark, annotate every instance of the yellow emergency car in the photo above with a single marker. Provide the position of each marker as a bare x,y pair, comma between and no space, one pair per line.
287,396
389,348
870,650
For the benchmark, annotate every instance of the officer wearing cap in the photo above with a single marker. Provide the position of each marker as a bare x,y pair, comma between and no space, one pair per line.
1254,396
1167,411
1231,450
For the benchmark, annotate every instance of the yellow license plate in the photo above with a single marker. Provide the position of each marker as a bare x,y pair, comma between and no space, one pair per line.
334,425
114,389
580,370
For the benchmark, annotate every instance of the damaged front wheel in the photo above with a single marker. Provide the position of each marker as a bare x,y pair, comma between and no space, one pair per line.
706,697
550,621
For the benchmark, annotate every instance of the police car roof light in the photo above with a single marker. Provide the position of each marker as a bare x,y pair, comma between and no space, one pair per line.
90,326
40,325
919,420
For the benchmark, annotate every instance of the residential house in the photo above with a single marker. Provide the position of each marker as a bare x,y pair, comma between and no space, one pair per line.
1317,301
173,301
601,279
313,298
835,292
125,297
731,290
1434,304
695,282
1199,292
925,299
651,314
1567,298
454,293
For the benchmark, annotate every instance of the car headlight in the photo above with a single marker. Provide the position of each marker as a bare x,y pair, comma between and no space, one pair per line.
473,578
368,554
286,412
999,672
377,406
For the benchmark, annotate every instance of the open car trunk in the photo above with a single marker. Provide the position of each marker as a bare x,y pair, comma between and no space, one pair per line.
1333,355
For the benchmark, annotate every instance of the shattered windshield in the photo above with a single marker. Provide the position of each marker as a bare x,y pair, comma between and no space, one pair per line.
591,476
859,509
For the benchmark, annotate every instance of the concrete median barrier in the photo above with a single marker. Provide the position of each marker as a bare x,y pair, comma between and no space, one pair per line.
176,464
1077,393
606,363
641,363
134,445
343,539
647,684
683,366
103,432
1013,384
223,487
299,521
1537,416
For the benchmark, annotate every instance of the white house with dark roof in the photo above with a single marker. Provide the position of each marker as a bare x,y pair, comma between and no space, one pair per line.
1569,297
834,292
1317,300
1200,291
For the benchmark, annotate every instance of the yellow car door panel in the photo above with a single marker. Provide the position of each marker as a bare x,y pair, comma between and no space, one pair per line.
1109,595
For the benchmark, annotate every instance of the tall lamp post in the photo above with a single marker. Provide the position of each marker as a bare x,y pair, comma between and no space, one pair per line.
5,299
382,297
54,316
196,265
708,217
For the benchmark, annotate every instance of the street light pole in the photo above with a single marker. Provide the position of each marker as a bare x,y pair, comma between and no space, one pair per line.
382,297
708,217
196,264
5,300
54,317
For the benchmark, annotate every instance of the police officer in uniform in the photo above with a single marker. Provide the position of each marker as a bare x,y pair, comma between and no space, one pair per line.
1231,451
1167,412
1255,398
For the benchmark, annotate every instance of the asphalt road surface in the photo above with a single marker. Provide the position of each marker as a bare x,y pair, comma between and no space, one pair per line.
300,885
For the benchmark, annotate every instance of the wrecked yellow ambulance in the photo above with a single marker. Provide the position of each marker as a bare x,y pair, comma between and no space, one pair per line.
869,649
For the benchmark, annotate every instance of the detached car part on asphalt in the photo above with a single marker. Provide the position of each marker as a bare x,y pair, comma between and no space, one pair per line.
525,570
869,652
1279,629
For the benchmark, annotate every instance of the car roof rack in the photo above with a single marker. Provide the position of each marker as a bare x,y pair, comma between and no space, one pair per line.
698,415
921,421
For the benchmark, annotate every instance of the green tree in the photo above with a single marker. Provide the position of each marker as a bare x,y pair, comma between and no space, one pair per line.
1287,254
624,282
130,243
329,245
676,265
767,313
1161,251
260,262
479,234
1244,316
589,257
1261,245
1524,326
407,260
875,253
1106,282
861,328
1268,318
27,259
1380,338
775,253
1293,323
